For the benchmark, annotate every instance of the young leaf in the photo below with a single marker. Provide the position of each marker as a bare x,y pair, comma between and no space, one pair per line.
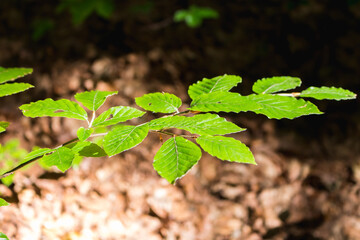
124,137
200,124
3,236
159,102
3,203
223,102
274,106
217,84
328,93
83,133
51,108
3,126
226,148
175,158
275,84
93,99
10,74
12,88
61,158
116,115
87,149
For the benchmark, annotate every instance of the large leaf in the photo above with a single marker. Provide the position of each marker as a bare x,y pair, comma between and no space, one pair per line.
87,149
12,88
93,99
274,106
3,126
275,84
116,115
175,158
61,158
226,148
159,102
223,102
217,84
3,203
331,93
124,137
10,74
51,108
200,124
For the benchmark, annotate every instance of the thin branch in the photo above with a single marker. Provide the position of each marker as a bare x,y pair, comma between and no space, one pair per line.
293,94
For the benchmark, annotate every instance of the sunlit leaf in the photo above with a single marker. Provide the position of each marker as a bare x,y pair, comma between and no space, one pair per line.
83,133
159,102
51,108
200,124
124,137
3,203
61,158
37,153
331,93
217,84
3,126
12,88
175,158
116,115
93,99
10,74
276,84
87,149
226,148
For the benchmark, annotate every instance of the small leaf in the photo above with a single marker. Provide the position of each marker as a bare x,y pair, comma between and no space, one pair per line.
124,137
175,158
37,153
217,84
61,158
3,126
3,236
274,106
330,93
83,133
2,204
87,149
159,102
93,99
116,115
226,148
12,88
10,74
51,108
200,124
223,102
275,84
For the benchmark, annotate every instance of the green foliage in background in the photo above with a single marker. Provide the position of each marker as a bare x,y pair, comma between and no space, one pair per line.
201,125
195,15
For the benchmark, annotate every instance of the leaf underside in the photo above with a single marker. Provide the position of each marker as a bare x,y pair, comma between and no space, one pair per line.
116,115
175,158
276,84
278,107
93,100
124,137
217,84
159,102
200,124
10,74
226,148
61,158
330,93
12,88
51,108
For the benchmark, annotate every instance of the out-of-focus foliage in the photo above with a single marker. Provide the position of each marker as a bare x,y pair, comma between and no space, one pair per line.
195,15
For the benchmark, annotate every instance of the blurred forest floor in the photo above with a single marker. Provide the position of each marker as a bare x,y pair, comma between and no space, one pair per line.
307,181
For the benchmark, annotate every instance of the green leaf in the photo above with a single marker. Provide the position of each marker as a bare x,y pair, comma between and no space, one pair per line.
61,158
274,106
226,148
12,88
93,99
116,115
276,84
331,93
3,126
37,153
217,84
51,108
195,15
10,74
87,149
175,158
159,102
200,124
124,137
223,102
83,133
3,236
2,204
